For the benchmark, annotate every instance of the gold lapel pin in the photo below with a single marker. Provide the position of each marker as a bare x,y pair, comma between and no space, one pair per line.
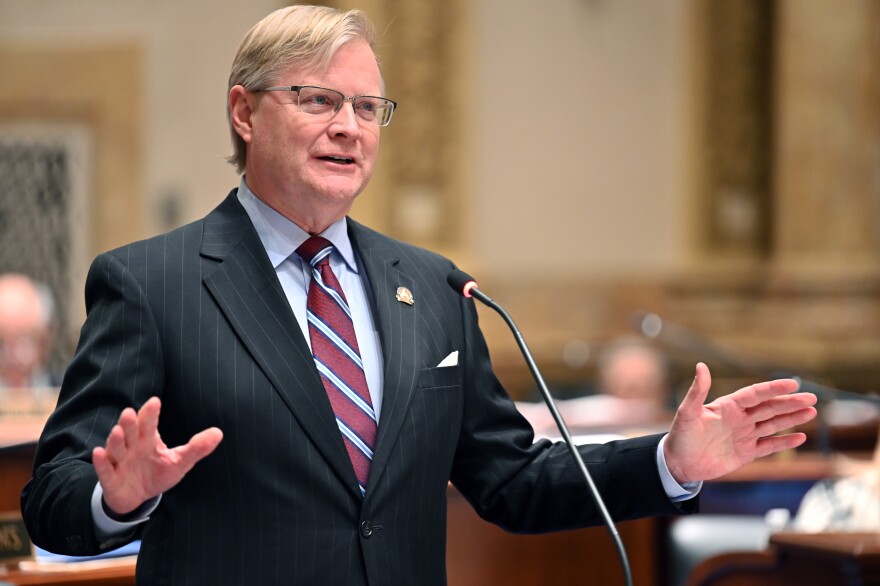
404,295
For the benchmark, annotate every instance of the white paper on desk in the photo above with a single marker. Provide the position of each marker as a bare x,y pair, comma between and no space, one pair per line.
451,360
46,557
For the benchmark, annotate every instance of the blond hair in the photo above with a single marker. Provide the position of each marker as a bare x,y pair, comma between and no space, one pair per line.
295,36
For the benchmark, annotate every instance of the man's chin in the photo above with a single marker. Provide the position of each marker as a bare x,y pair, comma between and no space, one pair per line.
341,188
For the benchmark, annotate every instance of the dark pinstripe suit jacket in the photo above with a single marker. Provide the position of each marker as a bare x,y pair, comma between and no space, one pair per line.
198,317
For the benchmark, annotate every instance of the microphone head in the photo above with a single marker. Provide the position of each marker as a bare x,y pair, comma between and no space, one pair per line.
461,282
649,324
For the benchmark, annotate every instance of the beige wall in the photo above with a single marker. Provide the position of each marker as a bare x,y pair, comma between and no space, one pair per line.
186,49
580,134
579,158
593,165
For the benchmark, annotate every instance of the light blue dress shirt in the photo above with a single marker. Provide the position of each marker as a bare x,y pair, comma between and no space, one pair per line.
281,238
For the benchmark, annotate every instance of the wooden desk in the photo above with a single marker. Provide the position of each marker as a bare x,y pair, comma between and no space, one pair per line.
18,443
16,463
18,437
479,553
821,559
851,559
116,573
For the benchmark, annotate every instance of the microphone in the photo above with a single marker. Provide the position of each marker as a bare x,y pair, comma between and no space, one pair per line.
467,286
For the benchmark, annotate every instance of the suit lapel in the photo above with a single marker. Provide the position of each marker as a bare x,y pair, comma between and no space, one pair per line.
396,323
248,293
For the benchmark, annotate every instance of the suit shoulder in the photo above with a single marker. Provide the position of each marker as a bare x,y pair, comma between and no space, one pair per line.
369,240
227,218
160,246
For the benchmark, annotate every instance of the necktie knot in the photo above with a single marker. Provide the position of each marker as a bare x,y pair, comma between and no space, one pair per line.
315,249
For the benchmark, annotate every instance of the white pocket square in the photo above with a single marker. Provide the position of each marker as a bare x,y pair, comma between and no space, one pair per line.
451,360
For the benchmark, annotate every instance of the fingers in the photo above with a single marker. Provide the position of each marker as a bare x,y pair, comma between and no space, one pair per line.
696,395
148,418
781,405
103,467
128,427
755,394
786,421
778,443
131,429
135,440
116,444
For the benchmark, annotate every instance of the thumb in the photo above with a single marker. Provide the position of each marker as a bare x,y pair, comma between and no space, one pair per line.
696,395
199,446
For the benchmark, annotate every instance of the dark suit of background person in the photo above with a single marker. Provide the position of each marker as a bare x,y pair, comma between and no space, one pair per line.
199,317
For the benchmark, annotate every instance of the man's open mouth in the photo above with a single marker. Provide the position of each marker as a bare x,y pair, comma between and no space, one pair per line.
339,160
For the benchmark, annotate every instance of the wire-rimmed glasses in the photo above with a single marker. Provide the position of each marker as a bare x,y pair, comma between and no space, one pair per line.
321,101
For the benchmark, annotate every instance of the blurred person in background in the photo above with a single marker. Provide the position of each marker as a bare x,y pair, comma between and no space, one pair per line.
26,332
633,389
637,375
848,502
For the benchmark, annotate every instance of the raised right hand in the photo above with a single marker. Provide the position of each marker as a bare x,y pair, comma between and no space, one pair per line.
136,465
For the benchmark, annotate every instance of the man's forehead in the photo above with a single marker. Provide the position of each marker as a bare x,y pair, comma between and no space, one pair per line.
355,60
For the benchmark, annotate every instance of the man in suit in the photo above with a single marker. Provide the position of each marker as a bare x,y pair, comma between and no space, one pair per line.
223,326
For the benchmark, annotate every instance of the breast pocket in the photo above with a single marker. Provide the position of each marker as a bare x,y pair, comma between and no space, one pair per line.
440,377
435,416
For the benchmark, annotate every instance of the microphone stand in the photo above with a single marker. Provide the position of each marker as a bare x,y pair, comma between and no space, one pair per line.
560,423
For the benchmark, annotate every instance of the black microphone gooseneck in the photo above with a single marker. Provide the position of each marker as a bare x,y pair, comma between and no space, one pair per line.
467,286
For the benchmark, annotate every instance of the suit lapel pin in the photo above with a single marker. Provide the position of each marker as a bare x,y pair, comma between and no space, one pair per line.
404,295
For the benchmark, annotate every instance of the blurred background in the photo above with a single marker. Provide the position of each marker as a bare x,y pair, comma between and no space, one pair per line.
638,182
714,166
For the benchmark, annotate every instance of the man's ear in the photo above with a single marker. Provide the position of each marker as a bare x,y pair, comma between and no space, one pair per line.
241,107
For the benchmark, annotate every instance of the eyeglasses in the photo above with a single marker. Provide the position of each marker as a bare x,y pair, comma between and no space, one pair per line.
321,101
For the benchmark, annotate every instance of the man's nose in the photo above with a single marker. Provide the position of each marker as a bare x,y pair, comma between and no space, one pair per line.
347,119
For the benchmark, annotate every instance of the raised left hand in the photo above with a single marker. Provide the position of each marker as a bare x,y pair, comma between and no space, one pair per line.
136,465
708,441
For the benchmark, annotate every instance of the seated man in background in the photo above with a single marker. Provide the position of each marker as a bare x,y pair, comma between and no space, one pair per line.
636,374
633,388
26,333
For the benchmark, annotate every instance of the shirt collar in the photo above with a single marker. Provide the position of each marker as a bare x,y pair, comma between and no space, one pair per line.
281,237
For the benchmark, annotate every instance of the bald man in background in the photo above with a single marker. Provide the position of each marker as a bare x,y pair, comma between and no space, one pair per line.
26,334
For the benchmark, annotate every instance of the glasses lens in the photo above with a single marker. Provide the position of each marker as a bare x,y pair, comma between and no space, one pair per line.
316,100
372,109
325,102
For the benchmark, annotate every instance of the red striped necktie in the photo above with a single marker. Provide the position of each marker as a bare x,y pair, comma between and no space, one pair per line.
336,353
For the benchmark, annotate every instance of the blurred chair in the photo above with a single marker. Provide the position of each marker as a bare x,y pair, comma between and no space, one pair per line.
737,569
700,537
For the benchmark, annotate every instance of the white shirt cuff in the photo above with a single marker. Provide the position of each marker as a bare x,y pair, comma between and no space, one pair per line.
110,527
675,491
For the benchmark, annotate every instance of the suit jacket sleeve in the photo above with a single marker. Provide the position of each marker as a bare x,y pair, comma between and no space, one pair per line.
117,364
528,486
